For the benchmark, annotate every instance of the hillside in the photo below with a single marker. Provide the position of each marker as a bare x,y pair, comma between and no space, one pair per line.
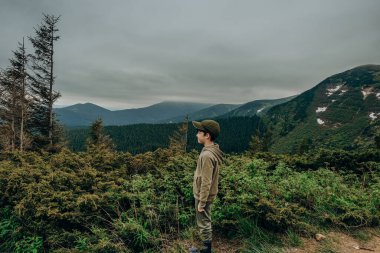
209,112
342,111
256,107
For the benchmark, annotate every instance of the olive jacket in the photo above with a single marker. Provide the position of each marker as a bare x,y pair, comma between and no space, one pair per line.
206,176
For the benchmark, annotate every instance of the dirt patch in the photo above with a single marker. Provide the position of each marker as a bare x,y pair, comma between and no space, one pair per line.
340,243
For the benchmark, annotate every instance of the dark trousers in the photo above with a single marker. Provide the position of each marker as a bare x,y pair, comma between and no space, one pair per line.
204,221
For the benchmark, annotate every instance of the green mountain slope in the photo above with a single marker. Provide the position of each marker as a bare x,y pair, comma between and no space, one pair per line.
342,111
256,107
209,112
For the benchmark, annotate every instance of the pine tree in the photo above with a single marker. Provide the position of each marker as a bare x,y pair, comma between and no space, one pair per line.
13,102
7,110
97,138
43,80
178,140
267,139
256,144
18,66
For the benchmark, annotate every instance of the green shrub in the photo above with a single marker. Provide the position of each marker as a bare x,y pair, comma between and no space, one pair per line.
104,201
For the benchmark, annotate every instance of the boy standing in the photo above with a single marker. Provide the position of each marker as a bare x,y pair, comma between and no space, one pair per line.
206,177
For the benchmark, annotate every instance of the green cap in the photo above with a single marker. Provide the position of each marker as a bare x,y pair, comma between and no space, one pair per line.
208,125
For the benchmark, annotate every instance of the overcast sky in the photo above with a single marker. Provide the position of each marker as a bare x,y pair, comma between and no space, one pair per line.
130,54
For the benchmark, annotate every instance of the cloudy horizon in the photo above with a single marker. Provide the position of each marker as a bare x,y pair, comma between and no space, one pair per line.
132,54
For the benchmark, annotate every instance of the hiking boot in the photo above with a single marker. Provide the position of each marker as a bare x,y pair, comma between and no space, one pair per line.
207,247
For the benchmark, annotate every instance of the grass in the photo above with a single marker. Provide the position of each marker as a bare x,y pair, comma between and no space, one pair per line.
262,248
257,239
361,235
293,239
326,246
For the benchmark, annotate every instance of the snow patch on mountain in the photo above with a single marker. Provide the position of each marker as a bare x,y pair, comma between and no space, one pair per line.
320,122
342,92
333,90
367,91
374,115
321,109
259,110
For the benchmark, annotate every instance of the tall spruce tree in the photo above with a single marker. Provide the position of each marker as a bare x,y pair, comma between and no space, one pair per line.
256,143
19,69
97,138
44,96
178,140
8,110
267,139
13,101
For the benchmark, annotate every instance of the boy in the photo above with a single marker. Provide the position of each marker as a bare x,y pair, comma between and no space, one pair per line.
206,176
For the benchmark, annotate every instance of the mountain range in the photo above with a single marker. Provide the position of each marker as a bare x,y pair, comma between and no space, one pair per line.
164,112
85,114
342,111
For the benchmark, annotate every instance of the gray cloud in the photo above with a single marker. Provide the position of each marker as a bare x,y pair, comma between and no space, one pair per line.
135,53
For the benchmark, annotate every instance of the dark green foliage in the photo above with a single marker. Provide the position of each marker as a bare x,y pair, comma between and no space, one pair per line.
305,145
178,141
234,137
13,101
43,120
27,121
359,75
260,142
256,144
377,141
106,201
344,123
97,138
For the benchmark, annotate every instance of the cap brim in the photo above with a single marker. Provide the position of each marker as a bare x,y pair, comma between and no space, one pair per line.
198,125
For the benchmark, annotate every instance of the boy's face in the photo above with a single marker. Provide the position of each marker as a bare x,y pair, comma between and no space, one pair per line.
202,137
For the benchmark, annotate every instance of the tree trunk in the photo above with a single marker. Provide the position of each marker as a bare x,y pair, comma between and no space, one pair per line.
22,100
13,112
51,89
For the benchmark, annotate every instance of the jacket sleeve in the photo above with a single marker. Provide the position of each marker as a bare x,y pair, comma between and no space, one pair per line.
206,175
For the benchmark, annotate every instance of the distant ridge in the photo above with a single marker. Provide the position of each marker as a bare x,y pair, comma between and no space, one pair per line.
209,112
85,114
164,112
257,107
